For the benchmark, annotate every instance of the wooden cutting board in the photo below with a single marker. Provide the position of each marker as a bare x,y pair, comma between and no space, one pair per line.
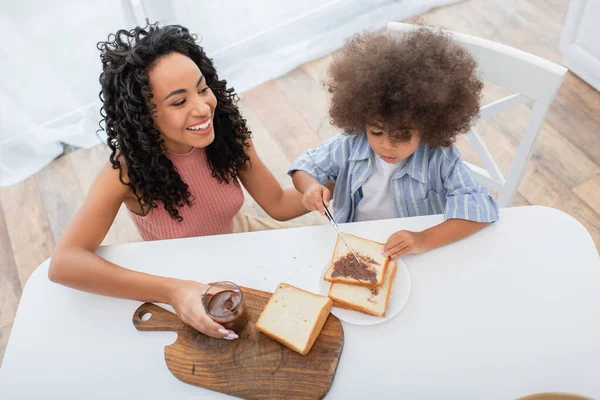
253,366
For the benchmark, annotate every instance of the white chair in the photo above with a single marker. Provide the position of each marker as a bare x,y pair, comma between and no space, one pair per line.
532,78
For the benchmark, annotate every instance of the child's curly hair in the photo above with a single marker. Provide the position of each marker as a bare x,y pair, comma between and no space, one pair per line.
127,110
424,80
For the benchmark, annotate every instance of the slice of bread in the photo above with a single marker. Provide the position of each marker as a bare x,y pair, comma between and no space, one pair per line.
294,317
363,299
344,269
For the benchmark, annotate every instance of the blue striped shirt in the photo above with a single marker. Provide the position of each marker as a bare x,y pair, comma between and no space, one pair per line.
434,180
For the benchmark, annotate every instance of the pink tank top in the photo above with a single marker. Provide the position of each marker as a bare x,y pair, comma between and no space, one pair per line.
213,205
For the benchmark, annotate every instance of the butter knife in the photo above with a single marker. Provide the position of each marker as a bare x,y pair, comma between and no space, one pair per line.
330,218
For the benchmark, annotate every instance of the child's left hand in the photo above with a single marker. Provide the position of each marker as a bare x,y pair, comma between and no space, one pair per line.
404,242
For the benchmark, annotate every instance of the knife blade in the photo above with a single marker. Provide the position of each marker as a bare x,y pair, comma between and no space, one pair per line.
335,225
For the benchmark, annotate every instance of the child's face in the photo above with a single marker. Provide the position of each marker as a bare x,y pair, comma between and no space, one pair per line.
185,105
390,150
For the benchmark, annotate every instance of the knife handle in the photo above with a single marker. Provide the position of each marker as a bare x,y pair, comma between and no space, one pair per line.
328,214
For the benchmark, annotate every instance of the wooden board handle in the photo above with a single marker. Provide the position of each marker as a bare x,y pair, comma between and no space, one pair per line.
160,319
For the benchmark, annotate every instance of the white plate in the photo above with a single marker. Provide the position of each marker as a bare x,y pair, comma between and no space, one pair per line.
398,298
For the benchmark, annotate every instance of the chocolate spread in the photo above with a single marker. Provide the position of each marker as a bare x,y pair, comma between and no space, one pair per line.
227,308
347,266
222,304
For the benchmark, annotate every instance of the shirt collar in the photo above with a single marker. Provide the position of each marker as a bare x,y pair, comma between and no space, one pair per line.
362,150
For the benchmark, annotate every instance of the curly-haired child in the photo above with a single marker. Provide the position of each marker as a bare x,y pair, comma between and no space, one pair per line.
401,104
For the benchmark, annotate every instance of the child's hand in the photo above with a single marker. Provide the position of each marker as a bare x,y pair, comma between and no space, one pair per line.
404,242
187,302
315,196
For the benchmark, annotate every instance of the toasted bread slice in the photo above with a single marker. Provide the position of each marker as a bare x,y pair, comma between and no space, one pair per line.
294,317
363,299
344,268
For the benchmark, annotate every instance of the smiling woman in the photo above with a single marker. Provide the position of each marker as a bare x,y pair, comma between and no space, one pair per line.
185,115
180,154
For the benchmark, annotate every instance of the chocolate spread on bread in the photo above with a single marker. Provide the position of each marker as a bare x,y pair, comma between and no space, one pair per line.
347,266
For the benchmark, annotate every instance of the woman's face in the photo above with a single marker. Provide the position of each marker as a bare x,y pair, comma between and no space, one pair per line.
185,105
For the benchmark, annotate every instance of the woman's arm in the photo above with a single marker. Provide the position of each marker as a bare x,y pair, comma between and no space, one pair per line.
280,204
75,264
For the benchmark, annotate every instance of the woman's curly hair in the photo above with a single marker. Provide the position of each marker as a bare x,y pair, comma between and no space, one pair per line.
127,111
424,80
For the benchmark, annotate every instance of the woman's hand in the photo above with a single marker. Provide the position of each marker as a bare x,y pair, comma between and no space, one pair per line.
187,302
315,196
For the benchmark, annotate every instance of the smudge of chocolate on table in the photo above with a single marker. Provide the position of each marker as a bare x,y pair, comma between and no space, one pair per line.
347,266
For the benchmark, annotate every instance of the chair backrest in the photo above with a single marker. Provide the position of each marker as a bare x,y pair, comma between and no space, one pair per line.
532,78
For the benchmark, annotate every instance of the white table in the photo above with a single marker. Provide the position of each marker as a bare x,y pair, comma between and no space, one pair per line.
510,311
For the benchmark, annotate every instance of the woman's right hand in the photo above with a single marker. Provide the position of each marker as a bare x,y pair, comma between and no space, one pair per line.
315,196
187,302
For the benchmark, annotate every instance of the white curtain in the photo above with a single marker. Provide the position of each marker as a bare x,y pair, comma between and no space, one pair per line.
254,41
49,79
50,63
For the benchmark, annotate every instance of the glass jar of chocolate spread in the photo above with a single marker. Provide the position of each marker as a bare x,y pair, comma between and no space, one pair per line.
224,303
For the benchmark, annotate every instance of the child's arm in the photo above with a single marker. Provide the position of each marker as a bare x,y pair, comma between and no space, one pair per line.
280,204
315,194
75,264
405,242
315,172
469,208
